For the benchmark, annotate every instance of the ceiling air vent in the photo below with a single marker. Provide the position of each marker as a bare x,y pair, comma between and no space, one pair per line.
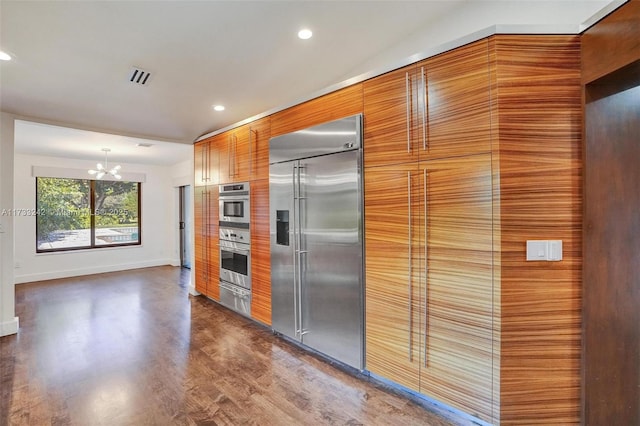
139,76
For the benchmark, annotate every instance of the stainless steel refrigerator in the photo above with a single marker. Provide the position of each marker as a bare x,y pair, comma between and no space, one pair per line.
315,191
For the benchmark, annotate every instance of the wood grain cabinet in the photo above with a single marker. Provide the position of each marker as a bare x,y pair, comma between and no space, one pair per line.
429,298
244,152
435,109
457,94
392,268
207,271
233,149
205,163
393,109
258,133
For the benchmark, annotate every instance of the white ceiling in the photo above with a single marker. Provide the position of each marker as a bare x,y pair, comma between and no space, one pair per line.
55,141
72,59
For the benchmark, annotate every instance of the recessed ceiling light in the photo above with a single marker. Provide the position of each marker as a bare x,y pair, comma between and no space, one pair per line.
4,56
144,145
219,107
305,34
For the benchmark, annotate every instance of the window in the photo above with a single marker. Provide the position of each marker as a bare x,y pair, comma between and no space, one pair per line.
81,214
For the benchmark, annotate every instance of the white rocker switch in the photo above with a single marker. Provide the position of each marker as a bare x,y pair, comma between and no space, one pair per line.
544,250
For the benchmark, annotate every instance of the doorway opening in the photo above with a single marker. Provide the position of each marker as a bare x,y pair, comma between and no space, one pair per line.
184,223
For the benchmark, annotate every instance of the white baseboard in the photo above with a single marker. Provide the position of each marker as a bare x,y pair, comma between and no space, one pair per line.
193,291
52,275
9,327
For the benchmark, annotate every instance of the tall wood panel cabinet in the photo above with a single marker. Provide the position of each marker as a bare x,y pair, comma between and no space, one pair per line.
429,228
429,298
206,218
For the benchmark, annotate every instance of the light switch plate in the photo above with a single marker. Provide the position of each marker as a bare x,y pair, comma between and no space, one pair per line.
554,253
544,250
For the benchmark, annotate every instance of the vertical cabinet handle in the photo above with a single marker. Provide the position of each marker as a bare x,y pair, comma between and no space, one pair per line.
426,262
410,272
229,155
408,103
202,225
208,232
235,154
206,157
251,152
424,109
205,161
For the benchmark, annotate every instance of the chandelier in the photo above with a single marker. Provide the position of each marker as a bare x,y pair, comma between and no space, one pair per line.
104,170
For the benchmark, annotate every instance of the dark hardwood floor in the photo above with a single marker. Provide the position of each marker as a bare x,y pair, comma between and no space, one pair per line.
133,348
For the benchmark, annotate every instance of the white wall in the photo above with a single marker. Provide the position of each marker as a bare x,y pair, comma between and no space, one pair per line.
158,225
8,320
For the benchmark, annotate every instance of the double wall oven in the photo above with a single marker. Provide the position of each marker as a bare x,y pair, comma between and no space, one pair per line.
235,247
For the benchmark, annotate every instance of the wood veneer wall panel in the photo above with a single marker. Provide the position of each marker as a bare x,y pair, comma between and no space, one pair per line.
612,43
497,264
335,105
539,130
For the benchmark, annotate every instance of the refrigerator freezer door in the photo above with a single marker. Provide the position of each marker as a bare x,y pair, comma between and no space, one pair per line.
284,296
331,256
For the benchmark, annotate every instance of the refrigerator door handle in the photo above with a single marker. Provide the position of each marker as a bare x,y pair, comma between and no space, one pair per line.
300,252
294,220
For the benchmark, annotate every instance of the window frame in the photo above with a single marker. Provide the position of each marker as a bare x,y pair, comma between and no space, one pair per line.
92,207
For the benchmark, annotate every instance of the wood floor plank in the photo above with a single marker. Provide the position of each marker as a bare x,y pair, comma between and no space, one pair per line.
133,348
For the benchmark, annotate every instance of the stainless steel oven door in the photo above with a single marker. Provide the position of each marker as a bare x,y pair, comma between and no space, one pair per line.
235,263
236,298
234,209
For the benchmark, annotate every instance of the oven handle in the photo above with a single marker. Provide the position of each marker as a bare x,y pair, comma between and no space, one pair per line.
235,250
241,292
233,197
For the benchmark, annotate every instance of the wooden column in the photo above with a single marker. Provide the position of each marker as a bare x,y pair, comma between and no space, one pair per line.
611,301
